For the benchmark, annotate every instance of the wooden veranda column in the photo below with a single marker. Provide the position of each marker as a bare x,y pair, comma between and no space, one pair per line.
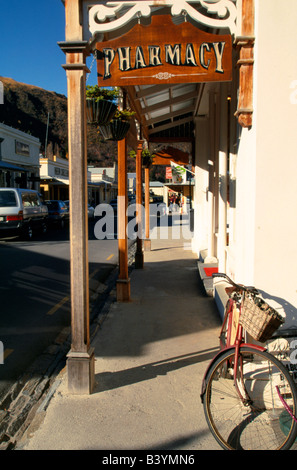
80,362
147,241
123,282
139,243
245,43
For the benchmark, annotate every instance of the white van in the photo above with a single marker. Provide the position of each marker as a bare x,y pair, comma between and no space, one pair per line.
21,212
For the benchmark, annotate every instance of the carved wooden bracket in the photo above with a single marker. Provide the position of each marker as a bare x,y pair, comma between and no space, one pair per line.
245,43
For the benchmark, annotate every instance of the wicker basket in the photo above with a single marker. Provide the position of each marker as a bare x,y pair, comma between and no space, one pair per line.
259,319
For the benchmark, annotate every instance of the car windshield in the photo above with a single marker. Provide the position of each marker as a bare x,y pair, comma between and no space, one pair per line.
52,205
7,199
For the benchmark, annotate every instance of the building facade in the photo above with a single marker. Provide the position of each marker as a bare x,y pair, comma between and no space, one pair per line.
54,178
246,224
19,159
238,115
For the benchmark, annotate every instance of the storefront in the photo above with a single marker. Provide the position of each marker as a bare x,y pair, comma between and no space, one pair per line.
19,159
205,72
54,181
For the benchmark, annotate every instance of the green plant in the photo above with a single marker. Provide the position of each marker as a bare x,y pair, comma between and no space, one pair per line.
146,156
98,93
124,114
132,154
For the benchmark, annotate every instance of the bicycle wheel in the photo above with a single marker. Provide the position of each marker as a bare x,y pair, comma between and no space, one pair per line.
257,423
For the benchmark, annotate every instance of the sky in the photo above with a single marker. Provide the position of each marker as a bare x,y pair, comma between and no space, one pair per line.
29,33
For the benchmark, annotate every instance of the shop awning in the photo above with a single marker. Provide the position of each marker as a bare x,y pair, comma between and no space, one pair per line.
9,166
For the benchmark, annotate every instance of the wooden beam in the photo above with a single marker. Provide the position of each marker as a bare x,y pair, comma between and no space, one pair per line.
245,43
139,242
73,20
147,241
123,282
80,362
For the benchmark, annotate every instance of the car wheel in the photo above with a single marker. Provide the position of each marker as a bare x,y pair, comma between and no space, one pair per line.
44,228
28,233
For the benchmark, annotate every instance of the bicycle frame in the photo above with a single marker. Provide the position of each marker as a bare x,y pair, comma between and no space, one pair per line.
236,345
232,363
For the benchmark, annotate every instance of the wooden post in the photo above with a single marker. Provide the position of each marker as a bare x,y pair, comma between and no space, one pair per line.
139,243
245,42
147,241
80,363
123,282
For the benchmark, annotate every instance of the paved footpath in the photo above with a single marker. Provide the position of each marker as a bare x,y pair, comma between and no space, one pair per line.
151,354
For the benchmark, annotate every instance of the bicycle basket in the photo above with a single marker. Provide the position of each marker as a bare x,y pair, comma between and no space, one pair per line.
259,319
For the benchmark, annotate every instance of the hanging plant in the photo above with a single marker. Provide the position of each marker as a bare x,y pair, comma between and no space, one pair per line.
147,158
146,155
120,124
118,127
101,105
105,131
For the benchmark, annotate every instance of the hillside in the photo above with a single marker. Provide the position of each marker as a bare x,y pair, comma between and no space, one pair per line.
27,107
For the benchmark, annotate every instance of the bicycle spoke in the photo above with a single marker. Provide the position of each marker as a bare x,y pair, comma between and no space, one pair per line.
252,421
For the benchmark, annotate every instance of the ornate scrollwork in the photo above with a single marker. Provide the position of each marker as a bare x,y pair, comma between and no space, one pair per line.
225,11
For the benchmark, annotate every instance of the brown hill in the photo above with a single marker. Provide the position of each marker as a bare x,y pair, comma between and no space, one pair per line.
28,107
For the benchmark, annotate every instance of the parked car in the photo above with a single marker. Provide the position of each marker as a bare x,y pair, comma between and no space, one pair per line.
21,212
91,210
58,212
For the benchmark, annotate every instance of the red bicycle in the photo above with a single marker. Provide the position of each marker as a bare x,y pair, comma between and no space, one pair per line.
249,396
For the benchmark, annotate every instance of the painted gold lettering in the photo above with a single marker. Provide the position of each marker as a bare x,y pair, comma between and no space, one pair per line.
108,55
219,50
190,56
139,58
173,56
124,58
154,55
204,46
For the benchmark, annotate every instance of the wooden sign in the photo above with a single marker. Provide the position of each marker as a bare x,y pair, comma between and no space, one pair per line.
164,53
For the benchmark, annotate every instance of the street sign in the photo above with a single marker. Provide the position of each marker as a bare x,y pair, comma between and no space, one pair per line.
164,53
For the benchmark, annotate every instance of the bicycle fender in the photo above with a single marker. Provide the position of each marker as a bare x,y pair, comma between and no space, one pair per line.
220,353
204,381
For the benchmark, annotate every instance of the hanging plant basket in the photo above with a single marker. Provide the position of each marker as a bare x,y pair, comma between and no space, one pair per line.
146,162
119,128
105,131
147,158
100,111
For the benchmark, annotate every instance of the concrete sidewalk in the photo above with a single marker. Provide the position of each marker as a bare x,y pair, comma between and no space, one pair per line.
151,355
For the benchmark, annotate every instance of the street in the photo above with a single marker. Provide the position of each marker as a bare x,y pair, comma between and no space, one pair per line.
34,293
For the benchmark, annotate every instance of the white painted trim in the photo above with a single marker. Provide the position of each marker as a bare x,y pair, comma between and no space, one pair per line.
226,11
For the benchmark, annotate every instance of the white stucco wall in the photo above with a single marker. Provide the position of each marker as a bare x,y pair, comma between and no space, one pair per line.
266,222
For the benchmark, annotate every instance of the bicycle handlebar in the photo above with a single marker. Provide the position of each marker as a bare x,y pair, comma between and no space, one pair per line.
237,286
